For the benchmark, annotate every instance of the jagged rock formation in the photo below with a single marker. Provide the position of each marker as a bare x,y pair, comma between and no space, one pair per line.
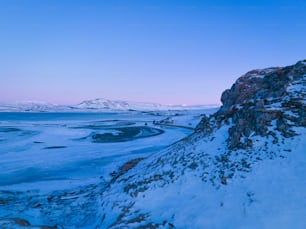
243,167
260,97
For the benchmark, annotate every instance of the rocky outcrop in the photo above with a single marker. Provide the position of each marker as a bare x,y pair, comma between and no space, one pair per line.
257,101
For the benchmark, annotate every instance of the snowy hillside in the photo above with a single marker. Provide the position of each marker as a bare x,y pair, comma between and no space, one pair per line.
105,104
28,106
36,106
244,167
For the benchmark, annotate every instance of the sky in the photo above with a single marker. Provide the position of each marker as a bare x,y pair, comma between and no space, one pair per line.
164,51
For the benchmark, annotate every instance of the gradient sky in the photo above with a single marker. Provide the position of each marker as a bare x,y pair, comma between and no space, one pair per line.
166,51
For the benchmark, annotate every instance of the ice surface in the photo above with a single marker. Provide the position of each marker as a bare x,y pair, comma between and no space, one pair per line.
51,168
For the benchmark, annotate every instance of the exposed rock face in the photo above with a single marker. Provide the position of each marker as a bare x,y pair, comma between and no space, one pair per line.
257,99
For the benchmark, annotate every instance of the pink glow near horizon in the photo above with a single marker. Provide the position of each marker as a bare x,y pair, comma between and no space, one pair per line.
168,52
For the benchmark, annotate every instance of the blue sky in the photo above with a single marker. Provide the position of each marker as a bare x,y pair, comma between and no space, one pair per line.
166,51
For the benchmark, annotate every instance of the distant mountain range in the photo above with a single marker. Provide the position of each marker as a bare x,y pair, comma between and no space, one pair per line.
95,105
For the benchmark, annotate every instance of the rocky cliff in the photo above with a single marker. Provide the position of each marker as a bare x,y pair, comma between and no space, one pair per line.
257,99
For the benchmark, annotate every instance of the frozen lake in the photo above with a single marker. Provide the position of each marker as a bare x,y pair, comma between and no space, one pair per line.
55,166
66,149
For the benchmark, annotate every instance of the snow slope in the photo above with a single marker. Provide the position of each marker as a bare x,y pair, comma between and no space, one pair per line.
243,168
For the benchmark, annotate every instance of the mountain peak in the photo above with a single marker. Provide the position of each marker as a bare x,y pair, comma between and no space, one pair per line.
106,104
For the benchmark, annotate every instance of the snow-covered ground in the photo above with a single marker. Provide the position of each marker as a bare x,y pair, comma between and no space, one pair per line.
244,167
185,187
47,155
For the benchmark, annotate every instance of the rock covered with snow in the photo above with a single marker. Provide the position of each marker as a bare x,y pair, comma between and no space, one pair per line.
242,168
260,97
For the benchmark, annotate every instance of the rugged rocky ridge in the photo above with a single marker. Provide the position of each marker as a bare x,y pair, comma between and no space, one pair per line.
260,97
239,163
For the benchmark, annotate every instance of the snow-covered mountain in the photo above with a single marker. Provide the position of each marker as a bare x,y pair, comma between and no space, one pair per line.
95,105
106,104
244,167
28,106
